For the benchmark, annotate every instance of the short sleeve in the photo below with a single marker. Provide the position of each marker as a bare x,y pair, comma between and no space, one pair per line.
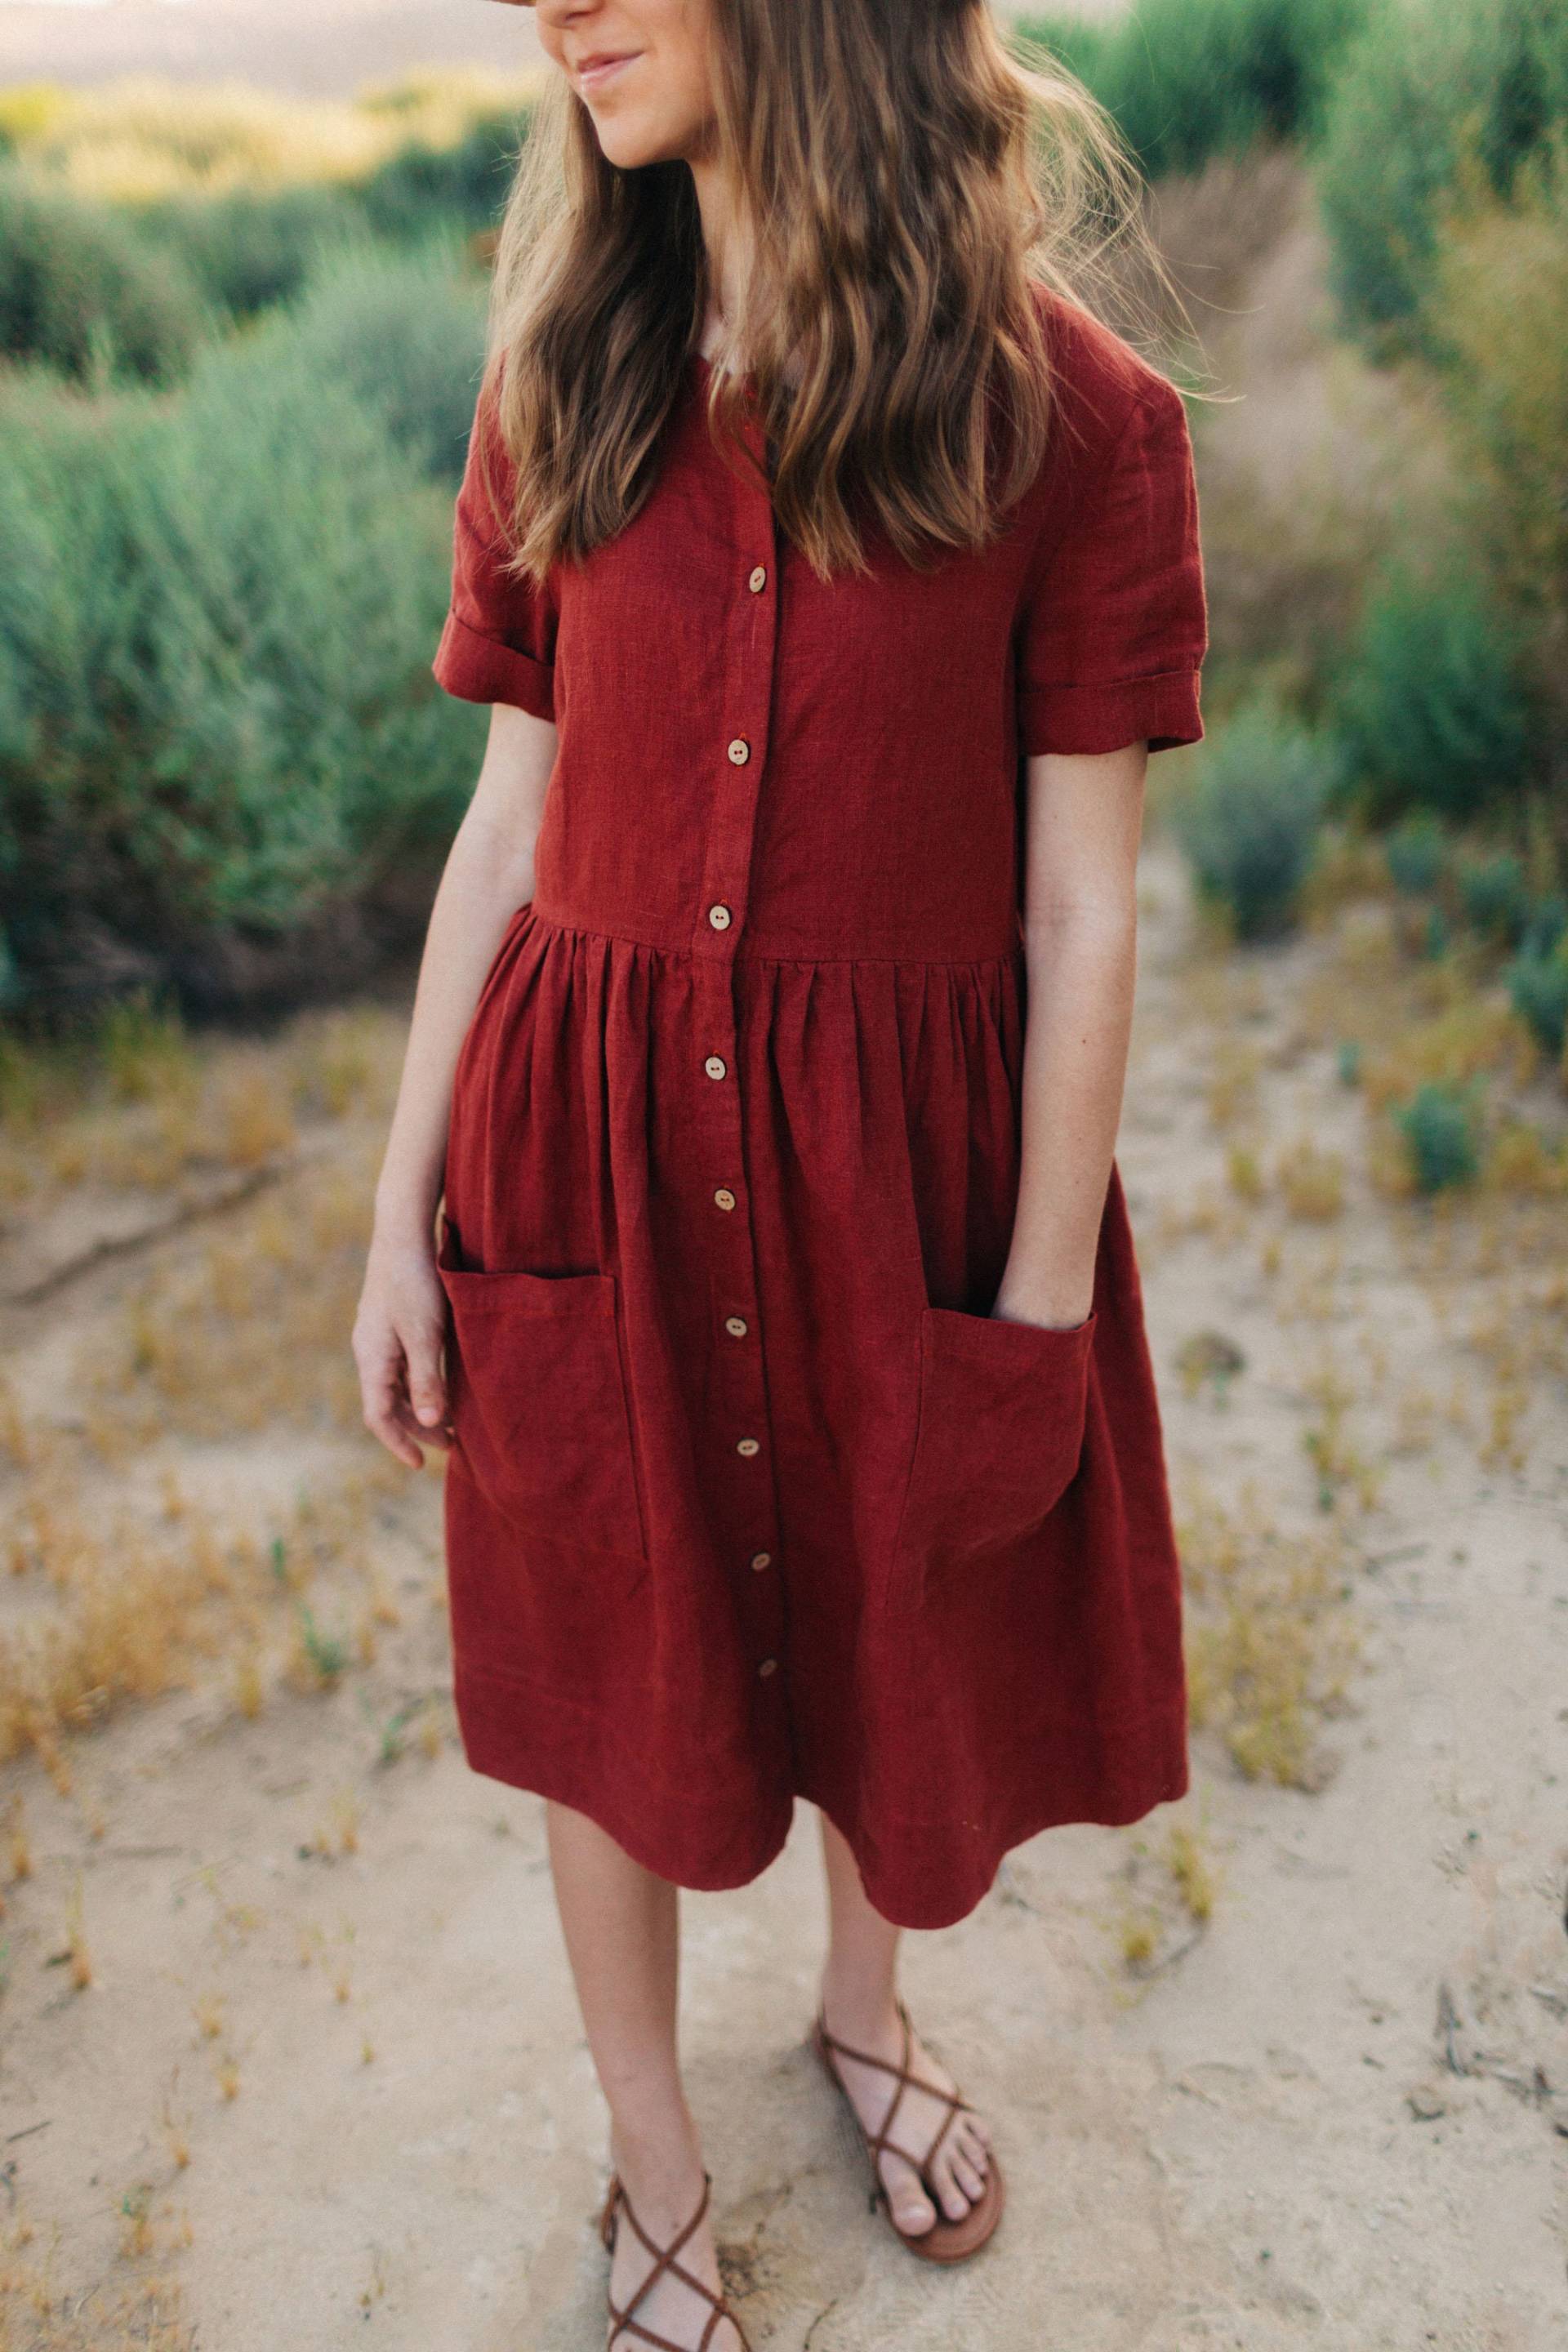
498,642
1114,624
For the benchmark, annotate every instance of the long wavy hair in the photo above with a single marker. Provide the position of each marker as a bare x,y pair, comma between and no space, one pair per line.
903,177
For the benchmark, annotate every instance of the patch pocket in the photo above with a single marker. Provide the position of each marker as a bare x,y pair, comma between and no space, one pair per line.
538,1401
998,1438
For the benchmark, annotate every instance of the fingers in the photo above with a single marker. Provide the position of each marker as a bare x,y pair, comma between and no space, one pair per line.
382,1418
393,1413
427,1388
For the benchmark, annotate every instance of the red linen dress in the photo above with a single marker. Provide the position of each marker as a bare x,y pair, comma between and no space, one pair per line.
750,1497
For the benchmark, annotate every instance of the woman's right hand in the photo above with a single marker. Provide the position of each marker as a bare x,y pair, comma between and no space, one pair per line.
399,1332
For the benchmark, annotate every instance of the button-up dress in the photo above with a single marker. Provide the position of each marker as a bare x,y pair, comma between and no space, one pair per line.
750,1497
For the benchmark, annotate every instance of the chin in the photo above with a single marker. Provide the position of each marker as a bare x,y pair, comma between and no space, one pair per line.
627,147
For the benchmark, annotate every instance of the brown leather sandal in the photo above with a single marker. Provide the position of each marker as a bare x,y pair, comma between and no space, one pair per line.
945,2240
622,2321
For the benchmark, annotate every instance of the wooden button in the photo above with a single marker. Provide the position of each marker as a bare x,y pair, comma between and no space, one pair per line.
715,1066
760,1560
736,1326
748,1445
740,751
725,1198
758,581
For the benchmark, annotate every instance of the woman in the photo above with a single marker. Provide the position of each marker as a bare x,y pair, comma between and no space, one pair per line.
830,572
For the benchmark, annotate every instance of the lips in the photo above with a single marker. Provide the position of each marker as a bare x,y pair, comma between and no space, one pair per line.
595,71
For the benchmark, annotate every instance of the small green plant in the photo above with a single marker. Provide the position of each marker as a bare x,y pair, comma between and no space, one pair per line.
1415,852
328,1654
1441,1125
1546,925
1538,991
1437,935
1495,897
1251,825
391,1731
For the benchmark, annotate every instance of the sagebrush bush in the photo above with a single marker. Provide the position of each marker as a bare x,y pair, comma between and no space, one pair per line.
1494,894
1416,851
465,180
1424,98
80,291
1431,702
1440,1128
1497,317
249,248
404,332
1189,79
217,724
1538,991
1251,824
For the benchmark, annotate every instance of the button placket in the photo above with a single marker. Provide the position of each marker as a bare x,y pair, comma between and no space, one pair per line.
742,1433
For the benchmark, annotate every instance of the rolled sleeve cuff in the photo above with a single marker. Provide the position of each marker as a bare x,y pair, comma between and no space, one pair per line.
478,668
1161,711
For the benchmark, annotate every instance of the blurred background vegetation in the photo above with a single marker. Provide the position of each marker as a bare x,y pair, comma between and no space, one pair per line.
238,344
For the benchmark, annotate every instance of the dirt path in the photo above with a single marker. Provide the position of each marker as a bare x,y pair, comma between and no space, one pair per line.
1330,2115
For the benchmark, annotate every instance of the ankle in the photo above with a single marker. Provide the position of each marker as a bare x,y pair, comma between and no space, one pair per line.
659,2160
858,2010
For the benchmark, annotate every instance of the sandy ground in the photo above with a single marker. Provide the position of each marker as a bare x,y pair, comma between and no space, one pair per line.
1331,2115
316,51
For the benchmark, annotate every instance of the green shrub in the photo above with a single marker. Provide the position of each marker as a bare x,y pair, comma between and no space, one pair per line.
404,332
1415,851
1496,319
249,248
1538,990
1431,702
79,291
1426,99
1188,79
1250,824
1495,896
1547,923
217,725
1441,1125
1437,935
467,182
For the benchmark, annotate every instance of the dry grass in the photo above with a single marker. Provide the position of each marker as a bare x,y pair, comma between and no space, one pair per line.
129,1571
1272,1633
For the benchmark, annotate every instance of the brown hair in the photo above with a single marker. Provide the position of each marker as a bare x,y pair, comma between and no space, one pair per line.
904,177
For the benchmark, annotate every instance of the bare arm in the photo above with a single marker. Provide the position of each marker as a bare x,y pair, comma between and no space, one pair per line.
1083,816
401,1321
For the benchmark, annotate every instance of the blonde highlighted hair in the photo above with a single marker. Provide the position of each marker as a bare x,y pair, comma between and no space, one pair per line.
903,176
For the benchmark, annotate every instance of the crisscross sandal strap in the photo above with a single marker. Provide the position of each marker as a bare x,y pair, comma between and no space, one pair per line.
622,2319
905,2079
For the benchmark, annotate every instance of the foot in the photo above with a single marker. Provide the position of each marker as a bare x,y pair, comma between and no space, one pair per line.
664,2198
956,2174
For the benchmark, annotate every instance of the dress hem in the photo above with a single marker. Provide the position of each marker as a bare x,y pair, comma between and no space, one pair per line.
532,1764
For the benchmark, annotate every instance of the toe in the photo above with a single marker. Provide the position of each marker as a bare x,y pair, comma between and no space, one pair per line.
954,2202
912,2209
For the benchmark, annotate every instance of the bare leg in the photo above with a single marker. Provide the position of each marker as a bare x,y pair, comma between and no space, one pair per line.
860,1994
621,1926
